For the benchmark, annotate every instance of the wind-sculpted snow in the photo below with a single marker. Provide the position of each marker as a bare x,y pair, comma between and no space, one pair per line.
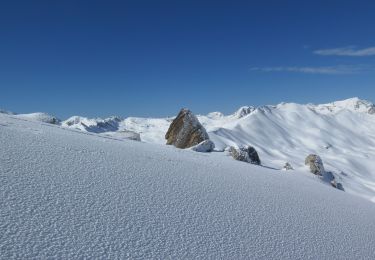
69,194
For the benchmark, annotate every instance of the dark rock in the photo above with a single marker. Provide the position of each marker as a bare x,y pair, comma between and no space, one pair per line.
315,163
339,186
288,167
186,131
244,111
245,154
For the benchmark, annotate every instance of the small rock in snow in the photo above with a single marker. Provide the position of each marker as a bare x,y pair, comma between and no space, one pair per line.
204,147
288,167
315,163
245,154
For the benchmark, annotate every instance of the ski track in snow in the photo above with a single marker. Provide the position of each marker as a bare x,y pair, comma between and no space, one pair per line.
66,194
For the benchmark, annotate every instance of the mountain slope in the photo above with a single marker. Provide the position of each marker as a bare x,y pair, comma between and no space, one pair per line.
70,194
289,132
341,132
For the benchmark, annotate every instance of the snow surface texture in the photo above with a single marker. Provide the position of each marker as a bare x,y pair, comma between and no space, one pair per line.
70,194
342,133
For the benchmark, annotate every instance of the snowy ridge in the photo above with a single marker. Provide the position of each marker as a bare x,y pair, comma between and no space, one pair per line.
96,125
39,117
3,111
353,104
71,194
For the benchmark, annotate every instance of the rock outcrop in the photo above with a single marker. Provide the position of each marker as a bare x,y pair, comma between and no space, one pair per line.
316,167
186,131
288,167
245,154
371,110
329,177
95,125
244,111
204,147
315,163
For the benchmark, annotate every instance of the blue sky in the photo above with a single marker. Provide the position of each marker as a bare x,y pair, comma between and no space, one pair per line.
150,58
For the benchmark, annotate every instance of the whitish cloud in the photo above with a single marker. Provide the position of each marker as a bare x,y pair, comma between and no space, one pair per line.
347,51
330,70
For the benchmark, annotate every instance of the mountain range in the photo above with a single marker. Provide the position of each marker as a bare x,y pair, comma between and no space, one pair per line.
342,133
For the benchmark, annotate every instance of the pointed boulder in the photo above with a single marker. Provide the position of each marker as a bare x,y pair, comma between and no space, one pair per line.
186,131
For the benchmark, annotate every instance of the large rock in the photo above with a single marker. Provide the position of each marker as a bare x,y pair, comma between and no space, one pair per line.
245,154
204,147
315,163
185,130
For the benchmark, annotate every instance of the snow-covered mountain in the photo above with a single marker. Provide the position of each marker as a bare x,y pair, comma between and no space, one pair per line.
342,133
40,117
72,194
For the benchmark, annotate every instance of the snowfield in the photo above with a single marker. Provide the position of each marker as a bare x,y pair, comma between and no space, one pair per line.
342,133
73,194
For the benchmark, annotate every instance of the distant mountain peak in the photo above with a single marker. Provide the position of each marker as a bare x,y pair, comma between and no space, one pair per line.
96,125
244,111
354,104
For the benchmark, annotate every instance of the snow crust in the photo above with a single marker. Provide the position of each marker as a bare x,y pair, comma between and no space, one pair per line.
71,194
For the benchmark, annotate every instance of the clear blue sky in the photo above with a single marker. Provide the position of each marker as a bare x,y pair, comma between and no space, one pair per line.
150,58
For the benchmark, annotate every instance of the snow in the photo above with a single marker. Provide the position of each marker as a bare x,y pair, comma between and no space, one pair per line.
96,125
41,117
352,104
344,140
342,133
72,194
204,146
3,111
243,111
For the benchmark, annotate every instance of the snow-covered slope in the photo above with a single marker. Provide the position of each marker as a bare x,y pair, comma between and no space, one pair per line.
70,194
40,117
342,133
344,138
